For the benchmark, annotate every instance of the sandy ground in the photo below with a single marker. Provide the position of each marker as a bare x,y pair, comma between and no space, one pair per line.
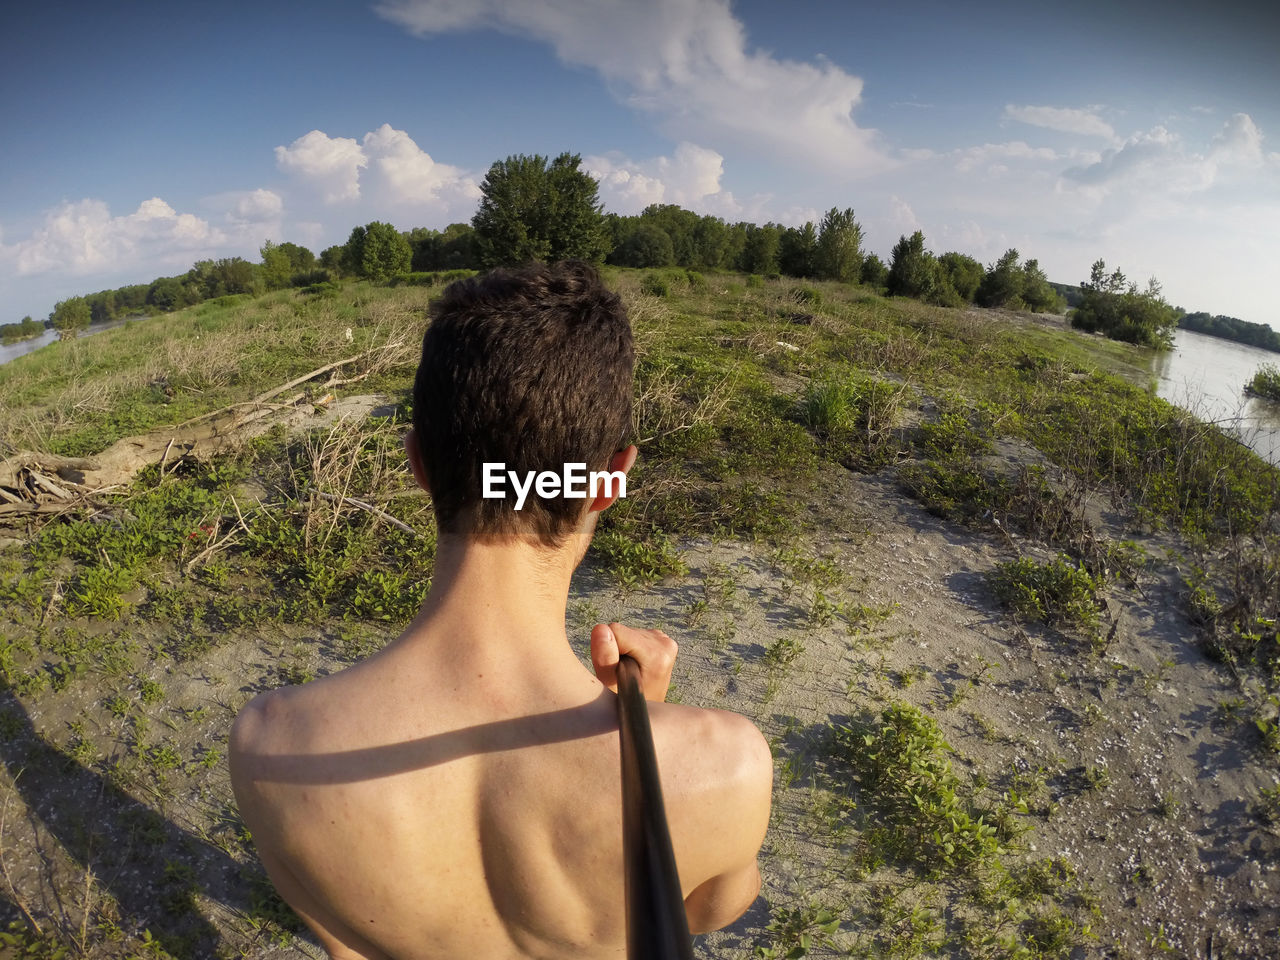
1166,843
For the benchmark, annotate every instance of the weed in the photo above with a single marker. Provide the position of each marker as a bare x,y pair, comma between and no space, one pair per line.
1266,807
794,931
1059,591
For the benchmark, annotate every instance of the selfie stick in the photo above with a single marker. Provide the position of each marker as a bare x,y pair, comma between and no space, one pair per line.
657,928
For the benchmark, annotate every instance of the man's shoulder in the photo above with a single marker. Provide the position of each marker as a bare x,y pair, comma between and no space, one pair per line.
727,748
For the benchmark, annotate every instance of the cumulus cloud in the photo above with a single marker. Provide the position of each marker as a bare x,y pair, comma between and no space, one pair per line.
84,238
1161,161
385,167
256,206
686,62
407,174
1084,121
690,178
331,164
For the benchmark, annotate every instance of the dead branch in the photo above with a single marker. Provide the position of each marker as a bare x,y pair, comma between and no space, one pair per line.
369,507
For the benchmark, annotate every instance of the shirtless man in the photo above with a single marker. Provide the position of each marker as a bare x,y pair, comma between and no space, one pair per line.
458,794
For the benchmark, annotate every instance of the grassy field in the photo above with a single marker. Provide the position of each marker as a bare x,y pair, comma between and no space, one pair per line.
131,634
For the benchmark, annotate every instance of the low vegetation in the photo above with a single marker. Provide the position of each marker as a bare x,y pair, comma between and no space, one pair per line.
1265,383
133,629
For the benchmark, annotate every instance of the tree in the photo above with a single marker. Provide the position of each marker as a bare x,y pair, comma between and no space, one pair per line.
331,258
1037,293
530,210
1003,283
913,272
377,251
281,262
70,316
166,293
798,251
874,272
1109,304
452,249
839,249
760,249
680,225
963,272
647,245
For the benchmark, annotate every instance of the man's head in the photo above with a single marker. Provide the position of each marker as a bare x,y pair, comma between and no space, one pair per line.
530,367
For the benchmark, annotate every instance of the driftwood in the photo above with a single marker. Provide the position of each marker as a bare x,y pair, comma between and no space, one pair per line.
43,483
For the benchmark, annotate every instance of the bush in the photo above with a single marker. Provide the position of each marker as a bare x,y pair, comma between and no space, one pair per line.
1265,383
874,272
807,297
963,272
416,278
648,245
913,272
1112,306
1059,591
755,281
655,285
307,278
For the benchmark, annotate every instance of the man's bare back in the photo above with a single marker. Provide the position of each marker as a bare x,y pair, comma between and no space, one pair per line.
459,793
434,802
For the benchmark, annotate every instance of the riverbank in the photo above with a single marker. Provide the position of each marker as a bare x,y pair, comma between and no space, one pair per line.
993,605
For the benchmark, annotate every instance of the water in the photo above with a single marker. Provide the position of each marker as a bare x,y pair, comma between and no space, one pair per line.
13,350
1206,375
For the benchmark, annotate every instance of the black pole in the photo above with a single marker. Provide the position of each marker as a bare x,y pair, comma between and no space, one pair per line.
657,927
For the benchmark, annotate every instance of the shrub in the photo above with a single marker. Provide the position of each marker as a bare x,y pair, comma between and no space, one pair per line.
755,281
416,278
308,278
1265,383
964,273
1058,591
1112,306
807,297
655,285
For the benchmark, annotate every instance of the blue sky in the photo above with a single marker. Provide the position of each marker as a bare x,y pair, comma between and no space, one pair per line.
140,137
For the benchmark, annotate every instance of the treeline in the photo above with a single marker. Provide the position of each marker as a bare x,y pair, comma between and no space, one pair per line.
25,329
532,208
1231,328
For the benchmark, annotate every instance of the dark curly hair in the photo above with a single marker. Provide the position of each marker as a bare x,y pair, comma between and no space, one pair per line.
528,366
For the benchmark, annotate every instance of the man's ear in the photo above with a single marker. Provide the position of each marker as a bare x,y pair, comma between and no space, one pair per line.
414,451
620,462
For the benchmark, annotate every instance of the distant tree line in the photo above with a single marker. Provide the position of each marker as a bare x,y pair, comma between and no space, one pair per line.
25,329
1231,328
536,208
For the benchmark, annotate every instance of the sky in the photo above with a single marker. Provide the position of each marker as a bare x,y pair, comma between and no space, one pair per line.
137,138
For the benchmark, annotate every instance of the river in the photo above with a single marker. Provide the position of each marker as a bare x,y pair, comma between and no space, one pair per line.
1206,375
11,351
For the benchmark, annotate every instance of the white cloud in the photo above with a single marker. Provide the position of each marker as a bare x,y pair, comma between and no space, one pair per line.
1085,121
686,62
407,174
689,178
84,238
990,153
257,206
902,219
386,169
1158,162
331,164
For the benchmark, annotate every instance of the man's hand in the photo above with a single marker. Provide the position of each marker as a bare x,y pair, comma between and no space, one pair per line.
652,650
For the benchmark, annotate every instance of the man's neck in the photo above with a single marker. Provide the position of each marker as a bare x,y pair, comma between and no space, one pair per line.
498,607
